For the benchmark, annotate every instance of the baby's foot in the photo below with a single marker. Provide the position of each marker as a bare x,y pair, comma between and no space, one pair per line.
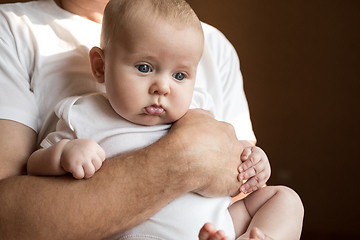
245,154
257,234
209,232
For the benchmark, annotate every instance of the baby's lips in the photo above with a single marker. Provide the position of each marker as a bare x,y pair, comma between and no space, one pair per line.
154,110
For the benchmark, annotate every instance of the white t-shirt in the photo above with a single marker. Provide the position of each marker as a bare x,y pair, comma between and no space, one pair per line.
91,116
44,58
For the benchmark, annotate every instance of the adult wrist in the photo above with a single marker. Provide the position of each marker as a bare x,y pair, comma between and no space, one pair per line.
172,155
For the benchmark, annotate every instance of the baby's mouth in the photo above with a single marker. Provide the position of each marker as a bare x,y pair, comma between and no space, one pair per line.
154,110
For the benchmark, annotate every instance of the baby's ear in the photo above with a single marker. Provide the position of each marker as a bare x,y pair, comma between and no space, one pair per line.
97,62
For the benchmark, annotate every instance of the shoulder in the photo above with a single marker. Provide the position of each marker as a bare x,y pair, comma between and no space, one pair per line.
18,19
217,47
210,32
87,102
27,9
32,13
214,37
84,108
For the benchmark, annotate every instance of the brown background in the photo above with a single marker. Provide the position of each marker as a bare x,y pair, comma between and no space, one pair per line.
300,62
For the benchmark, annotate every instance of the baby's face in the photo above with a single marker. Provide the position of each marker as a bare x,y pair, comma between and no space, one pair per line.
150,74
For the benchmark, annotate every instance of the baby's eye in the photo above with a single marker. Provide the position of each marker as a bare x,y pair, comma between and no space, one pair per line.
144,68
179,76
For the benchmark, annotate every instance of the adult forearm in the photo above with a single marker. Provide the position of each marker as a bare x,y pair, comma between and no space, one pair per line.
124,192
199,154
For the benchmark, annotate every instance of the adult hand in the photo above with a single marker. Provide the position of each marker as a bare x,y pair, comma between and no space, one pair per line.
211,152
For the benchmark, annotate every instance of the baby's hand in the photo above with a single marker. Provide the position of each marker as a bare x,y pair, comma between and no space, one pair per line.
255,169
82,158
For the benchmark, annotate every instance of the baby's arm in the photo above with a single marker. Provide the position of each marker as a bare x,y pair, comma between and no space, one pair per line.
81,157
255,167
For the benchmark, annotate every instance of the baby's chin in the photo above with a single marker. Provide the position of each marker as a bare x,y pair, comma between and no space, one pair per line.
151,120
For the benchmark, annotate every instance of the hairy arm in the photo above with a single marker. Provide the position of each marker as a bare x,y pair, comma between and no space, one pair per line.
17,142
127,189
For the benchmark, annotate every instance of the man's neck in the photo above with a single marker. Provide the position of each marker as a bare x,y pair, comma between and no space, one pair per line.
90,9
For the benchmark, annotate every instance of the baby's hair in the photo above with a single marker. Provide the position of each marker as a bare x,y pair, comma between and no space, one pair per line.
118,12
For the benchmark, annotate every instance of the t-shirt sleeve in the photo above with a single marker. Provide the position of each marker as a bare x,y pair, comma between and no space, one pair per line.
17,100
64,128
63,131
236,111
234,107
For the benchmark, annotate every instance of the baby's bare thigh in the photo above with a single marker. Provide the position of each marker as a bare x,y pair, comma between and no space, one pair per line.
240,217
243,210
259,198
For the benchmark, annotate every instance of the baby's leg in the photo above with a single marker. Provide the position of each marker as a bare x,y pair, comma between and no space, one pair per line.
257,234
277,211
241,220
240,217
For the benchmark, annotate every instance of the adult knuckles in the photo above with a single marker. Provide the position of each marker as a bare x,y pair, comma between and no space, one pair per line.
227,127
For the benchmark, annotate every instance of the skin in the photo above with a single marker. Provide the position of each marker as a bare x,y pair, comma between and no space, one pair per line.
13,162
64,203
209,232
276,210
66,209
93,10
267,209
147,84
156,64
80,157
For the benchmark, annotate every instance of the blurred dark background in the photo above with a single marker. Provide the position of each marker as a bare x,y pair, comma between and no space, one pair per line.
300,63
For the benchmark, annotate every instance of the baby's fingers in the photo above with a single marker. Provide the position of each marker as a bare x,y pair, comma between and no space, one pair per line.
77,172
254,183
98,159
97,163
245,154
89,169
101,153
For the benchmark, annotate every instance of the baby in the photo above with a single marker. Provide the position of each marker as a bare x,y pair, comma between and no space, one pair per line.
148,59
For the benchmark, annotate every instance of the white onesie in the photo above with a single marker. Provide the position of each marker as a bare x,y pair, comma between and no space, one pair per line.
92,117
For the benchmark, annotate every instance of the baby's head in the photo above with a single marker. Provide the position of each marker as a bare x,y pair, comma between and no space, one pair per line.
148,58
